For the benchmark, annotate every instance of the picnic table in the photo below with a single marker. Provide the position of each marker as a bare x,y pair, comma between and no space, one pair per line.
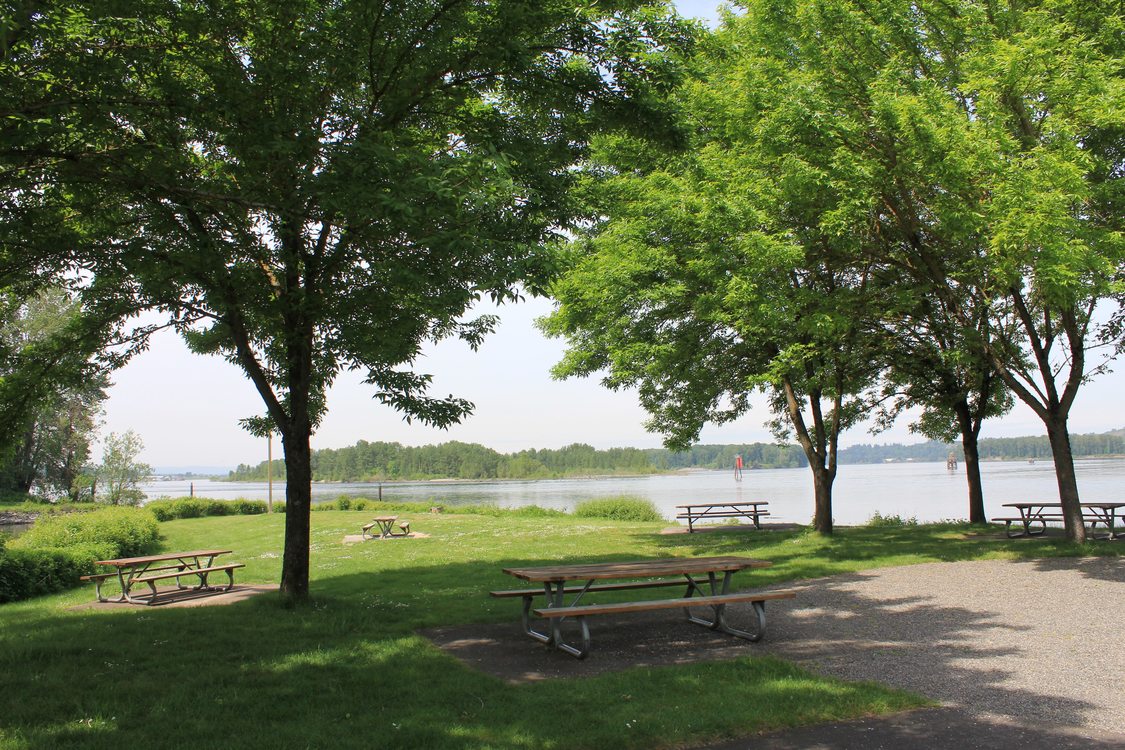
699,576
1041,513
148,569
695,512
385,526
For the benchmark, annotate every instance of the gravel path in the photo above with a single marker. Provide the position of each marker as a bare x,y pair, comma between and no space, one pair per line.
1039,641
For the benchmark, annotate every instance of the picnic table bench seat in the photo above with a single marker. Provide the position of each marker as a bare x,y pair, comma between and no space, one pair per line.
202,573
228,568
588,610
717,601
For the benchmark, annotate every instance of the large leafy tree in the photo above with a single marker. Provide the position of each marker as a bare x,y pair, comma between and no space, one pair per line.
984,142
302,187
705,281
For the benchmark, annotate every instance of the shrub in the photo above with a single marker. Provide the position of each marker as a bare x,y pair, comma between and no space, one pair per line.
128,531
25,573
243,507
879,521
196,507
622,508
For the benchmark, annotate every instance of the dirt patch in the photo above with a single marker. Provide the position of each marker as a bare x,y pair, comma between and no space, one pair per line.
703,529
358,538
174,598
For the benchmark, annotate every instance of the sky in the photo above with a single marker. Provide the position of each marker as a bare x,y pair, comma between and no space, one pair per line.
186,407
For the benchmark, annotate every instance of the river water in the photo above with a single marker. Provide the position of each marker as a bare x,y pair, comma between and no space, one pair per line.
925,491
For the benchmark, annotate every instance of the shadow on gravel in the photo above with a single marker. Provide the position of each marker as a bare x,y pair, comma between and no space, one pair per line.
926,728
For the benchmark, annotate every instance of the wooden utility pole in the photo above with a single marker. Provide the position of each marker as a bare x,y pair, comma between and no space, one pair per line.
269,470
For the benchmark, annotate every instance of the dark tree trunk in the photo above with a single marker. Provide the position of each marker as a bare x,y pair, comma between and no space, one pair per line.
1059,435
820,450
969,437
298,504
822,488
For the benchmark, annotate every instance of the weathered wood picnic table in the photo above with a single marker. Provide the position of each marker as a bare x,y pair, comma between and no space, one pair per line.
696,512
1041,513
385,526
700,575
146,569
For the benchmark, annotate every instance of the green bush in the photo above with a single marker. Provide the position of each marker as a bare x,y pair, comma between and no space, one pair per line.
25,573
127,531
59,548
196,507
622,508
879,521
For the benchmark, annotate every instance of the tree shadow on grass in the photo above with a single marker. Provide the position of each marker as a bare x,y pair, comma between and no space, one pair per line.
349,671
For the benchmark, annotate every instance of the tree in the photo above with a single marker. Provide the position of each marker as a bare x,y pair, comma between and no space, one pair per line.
303,187
932,364
984,146
706,279
50,424
120,471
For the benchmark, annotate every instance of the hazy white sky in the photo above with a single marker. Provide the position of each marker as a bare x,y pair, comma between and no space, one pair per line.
186,407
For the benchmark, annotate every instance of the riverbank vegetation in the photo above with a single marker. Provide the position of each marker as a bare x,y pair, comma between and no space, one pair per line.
357,655
369,462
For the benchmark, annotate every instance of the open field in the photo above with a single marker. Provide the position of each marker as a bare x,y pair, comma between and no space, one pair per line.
350,671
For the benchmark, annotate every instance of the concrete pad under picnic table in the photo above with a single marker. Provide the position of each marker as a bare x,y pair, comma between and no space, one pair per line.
174,598
357,538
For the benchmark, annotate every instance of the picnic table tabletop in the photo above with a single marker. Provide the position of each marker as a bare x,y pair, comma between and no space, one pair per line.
1102,505
725,504
635,569
125,562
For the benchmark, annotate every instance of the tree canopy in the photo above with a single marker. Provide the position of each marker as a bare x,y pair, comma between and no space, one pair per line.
305,187
968,152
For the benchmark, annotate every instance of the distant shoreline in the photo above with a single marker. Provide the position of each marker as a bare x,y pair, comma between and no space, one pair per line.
671,472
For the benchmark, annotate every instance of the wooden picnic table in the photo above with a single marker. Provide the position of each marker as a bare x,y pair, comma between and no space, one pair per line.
385,525
751,510
700,575
1041,513
146,569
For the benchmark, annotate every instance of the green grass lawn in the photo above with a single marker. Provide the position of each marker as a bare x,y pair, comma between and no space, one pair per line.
349,670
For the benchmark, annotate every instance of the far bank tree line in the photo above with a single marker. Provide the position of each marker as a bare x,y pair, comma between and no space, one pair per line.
382,461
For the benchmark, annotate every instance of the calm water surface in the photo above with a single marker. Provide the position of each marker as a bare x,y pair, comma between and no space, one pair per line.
926,491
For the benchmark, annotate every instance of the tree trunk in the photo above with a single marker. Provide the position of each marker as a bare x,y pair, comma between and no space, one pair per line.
822,487
969,437
298,504
1059,435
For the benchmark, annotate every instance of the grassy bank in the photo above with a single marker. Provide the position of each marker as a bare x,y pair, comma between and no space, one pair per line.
350,671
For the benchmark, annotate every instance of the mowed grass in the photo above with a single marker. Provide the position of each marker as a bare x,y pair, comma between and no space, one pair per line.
349,670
